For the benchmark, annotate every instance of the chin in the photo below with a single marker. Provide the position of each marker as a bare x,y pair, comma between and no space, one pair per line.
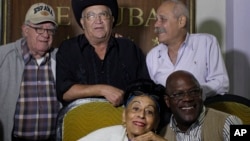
189,120
138,133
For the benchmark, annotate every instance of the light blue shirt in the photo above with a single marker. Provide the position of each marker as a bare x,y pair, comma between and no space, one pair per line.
200,55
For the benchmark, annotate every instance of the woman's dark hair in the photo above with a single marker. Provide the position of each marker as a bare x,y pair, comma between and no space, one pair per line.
147,87
155,91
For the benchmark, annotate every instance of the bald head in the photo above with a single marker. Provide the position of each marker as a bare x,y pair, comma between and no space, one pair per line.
181,78
184,92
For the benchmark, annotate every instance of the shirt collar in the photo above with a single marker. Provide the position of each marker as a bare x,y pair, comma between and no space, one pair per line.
27,56
187,37
185,43
83,41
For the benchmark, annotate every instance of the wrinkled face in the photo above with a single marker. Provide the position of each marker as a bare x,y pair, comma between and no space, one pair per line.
184,100
39,37
140,116
167,25
97,22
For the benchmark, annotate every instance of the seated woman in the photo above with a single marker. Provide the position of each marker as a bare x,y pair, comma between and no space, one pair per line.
144,105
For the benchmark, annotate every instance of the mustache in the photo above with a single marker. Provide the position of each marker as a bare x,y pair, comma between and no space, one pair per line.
159,30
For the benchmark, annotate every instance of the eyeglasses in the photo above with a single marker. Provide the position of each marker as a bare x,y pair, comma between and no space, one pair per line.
92,16
40,30
196,92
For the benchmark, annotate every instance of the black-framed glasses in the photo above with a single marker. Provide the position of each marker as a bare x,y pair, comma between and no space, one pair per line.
91,16
40,30
179,95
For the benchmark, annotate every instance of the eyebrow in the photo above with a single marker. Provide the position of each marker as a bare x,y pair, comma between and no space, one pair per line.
154,106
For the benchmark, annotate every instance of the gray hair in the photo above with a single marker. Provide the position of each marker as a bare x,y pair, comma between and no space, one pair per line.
180,9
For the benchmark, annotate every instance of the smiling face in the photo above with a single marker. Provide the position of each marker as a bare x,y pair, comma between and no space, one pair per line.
169,27
38,43
186,110
141,115
97,22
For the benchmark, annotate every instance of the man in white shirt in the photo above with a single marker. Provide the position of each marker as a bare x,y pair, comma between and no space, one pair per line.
178,50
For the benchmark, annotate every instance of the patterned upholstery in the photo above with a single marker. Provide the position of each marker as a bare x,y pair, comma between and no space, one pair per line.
233,104
84,116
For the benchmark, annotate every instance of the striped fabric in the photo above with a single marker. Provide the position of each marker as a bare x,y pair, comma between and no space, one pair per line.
194,132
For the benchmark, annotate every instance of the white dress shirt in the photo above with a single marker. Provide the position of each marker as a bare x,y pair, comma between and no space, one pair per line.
199,54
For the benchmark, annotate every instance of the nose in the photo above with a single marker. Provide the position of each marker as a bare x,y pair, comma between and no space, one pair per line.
45,33
98,18
141,114
157,22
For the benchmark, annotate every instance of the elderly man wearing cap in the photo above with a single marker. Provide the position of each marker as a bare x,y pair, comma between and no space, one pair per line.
95,64
27,86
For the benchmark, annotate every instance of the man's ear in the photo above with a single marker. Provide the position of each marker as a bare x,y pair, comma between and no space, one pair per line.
182,21
24,29
113,19
166,99
82,23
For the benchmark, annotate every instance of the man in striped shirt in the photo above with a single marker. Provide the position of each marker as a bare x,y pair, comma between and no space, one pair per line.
191,120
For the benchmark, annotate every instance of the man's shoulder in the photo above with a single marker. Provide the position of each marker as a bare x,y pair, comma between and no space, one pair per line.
74,39
125,42
157,49
10,48
210,112
11,45
126,46
201,36
72,44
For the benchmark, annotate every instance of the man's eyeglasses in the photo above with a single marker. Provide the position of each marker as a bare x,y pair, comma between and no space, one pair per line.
40,30
92,16
196,92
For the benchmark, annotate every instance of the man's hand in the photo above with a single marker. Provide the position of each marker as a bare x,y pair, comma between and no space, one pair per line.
112,94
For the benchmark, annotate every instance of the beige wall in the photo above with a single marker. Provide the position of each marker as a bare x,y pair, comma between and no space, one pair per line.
210,18
228,21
